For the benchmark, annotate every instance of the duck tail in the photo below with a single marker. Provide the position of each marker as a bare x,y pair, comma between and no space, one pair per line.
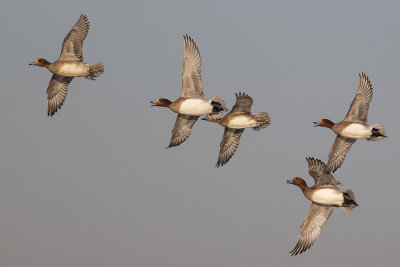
377,132
95,71
263,119
218,105
349,203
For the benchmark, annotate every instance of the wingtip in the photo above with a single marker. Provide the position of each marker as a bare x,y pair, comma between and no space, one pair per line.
187,37
220,164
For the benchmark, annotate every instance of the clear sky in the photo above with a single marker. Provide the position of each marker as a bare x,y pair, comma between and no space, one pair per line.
95,186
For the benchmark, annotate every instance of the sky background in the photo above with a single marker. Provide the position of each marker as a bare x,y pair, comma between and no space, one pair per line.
95,186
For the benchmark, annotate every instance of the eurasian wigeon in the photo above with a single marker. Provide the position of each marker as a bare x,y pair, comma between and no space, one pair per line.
354,126
325,197
69,65
192,104
235,122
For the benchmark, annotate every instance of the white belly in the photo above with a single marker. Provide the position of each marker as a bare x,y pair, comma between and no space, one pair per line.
73,70
356,131
240,122
328,196
195,107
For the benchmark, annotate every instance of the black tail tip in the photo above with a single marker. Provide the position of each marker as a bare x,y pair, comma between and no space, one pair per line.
215,104
217,109
376,133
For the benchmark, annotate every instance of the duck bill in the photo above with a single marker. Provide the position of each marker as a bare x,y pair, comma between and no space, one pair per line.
316,124
289,181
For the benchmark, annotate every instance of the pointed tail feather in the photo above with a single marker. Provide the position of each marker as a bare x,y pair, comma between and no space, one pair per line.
263,119
95,71
349,203
378,132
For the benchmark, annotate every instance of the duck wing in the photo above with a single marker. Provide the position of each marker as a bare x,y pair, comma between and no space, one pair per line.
339,151
192,85
319,171
73,41
359,107
56,93
311,228
182,128
229,144
243,103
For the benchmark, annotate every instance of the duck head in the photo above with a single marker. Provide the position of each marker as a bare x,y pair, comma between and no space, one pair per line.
324,123
161,102
40,62
299,182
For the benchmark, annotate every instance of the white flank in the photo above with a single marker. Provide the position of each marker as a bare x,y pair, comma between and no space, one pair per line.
328,196
195,107
73,70
357,131
240,122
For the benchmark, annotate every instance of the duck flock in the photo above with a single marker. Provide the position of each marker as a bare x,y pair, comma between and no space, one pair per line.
324,195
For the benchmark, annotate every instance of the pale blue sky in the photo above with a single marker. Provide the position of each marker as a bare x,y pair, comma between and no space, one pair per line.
95,186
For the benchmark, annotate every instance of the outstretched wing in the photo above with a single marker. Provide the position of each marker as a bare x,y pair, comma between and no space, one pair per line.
229,144
311,228
359,107
73,41
243,103
191,70
182,128
56,93
319,171
339,151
